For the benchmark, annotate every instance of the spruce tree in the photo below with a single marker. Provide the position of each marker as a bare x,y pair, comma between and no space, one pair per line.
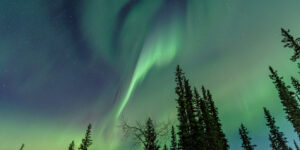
277,139
291,42
296,86
246,140
151,142
296,145
86,141
220,135
194,132
199,125
174,140
200,119
210,133
183,131
291,106
72,145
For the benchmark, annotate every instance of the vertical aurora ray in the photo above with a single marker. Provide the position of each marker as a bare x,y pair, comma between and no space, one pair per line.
156,52
160,46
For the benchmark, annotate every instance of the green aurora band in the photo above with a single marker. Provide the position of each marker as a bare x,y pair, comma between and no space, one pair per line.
159,49
225,45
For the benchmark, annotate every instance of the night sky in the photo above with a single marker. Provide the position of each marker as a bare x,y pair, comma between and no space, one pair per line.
67,63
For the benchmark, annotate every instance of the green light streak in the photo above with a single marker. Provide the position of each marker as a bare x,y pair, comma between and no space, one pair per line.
159,49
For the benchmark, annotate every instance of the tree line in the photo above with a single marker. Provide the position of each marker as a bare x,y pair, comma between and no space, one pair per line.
199,126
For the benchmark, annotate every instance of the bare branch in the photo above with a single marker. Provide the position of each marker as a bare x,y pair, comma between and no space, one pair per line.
138,131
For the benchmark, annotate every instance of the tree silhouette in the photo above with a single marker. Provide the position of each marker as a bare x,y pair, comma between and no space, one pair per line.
183,128
246,140
199,125
146,134
219,134
291,42
194,133
86,141
71,146
277,139
296,86
291,106
199,105
174,140
210,135
150,136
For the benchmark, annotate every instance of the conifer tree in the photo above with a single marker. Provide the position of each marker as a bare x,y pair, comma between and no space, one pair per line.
296,86
291,106
246,140
200,119
194,132
291,42
199,125
87,141
174,140
146,134
71,146
210,133
183,131
296,145
220,135
277,139
150,136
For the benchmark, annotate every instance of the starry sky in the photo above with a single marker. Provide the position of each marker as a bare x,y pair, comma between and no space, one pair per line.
67,63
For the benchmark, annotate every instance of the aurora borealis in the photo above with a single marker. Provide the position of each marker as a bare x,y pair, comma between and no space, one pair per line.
67,63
